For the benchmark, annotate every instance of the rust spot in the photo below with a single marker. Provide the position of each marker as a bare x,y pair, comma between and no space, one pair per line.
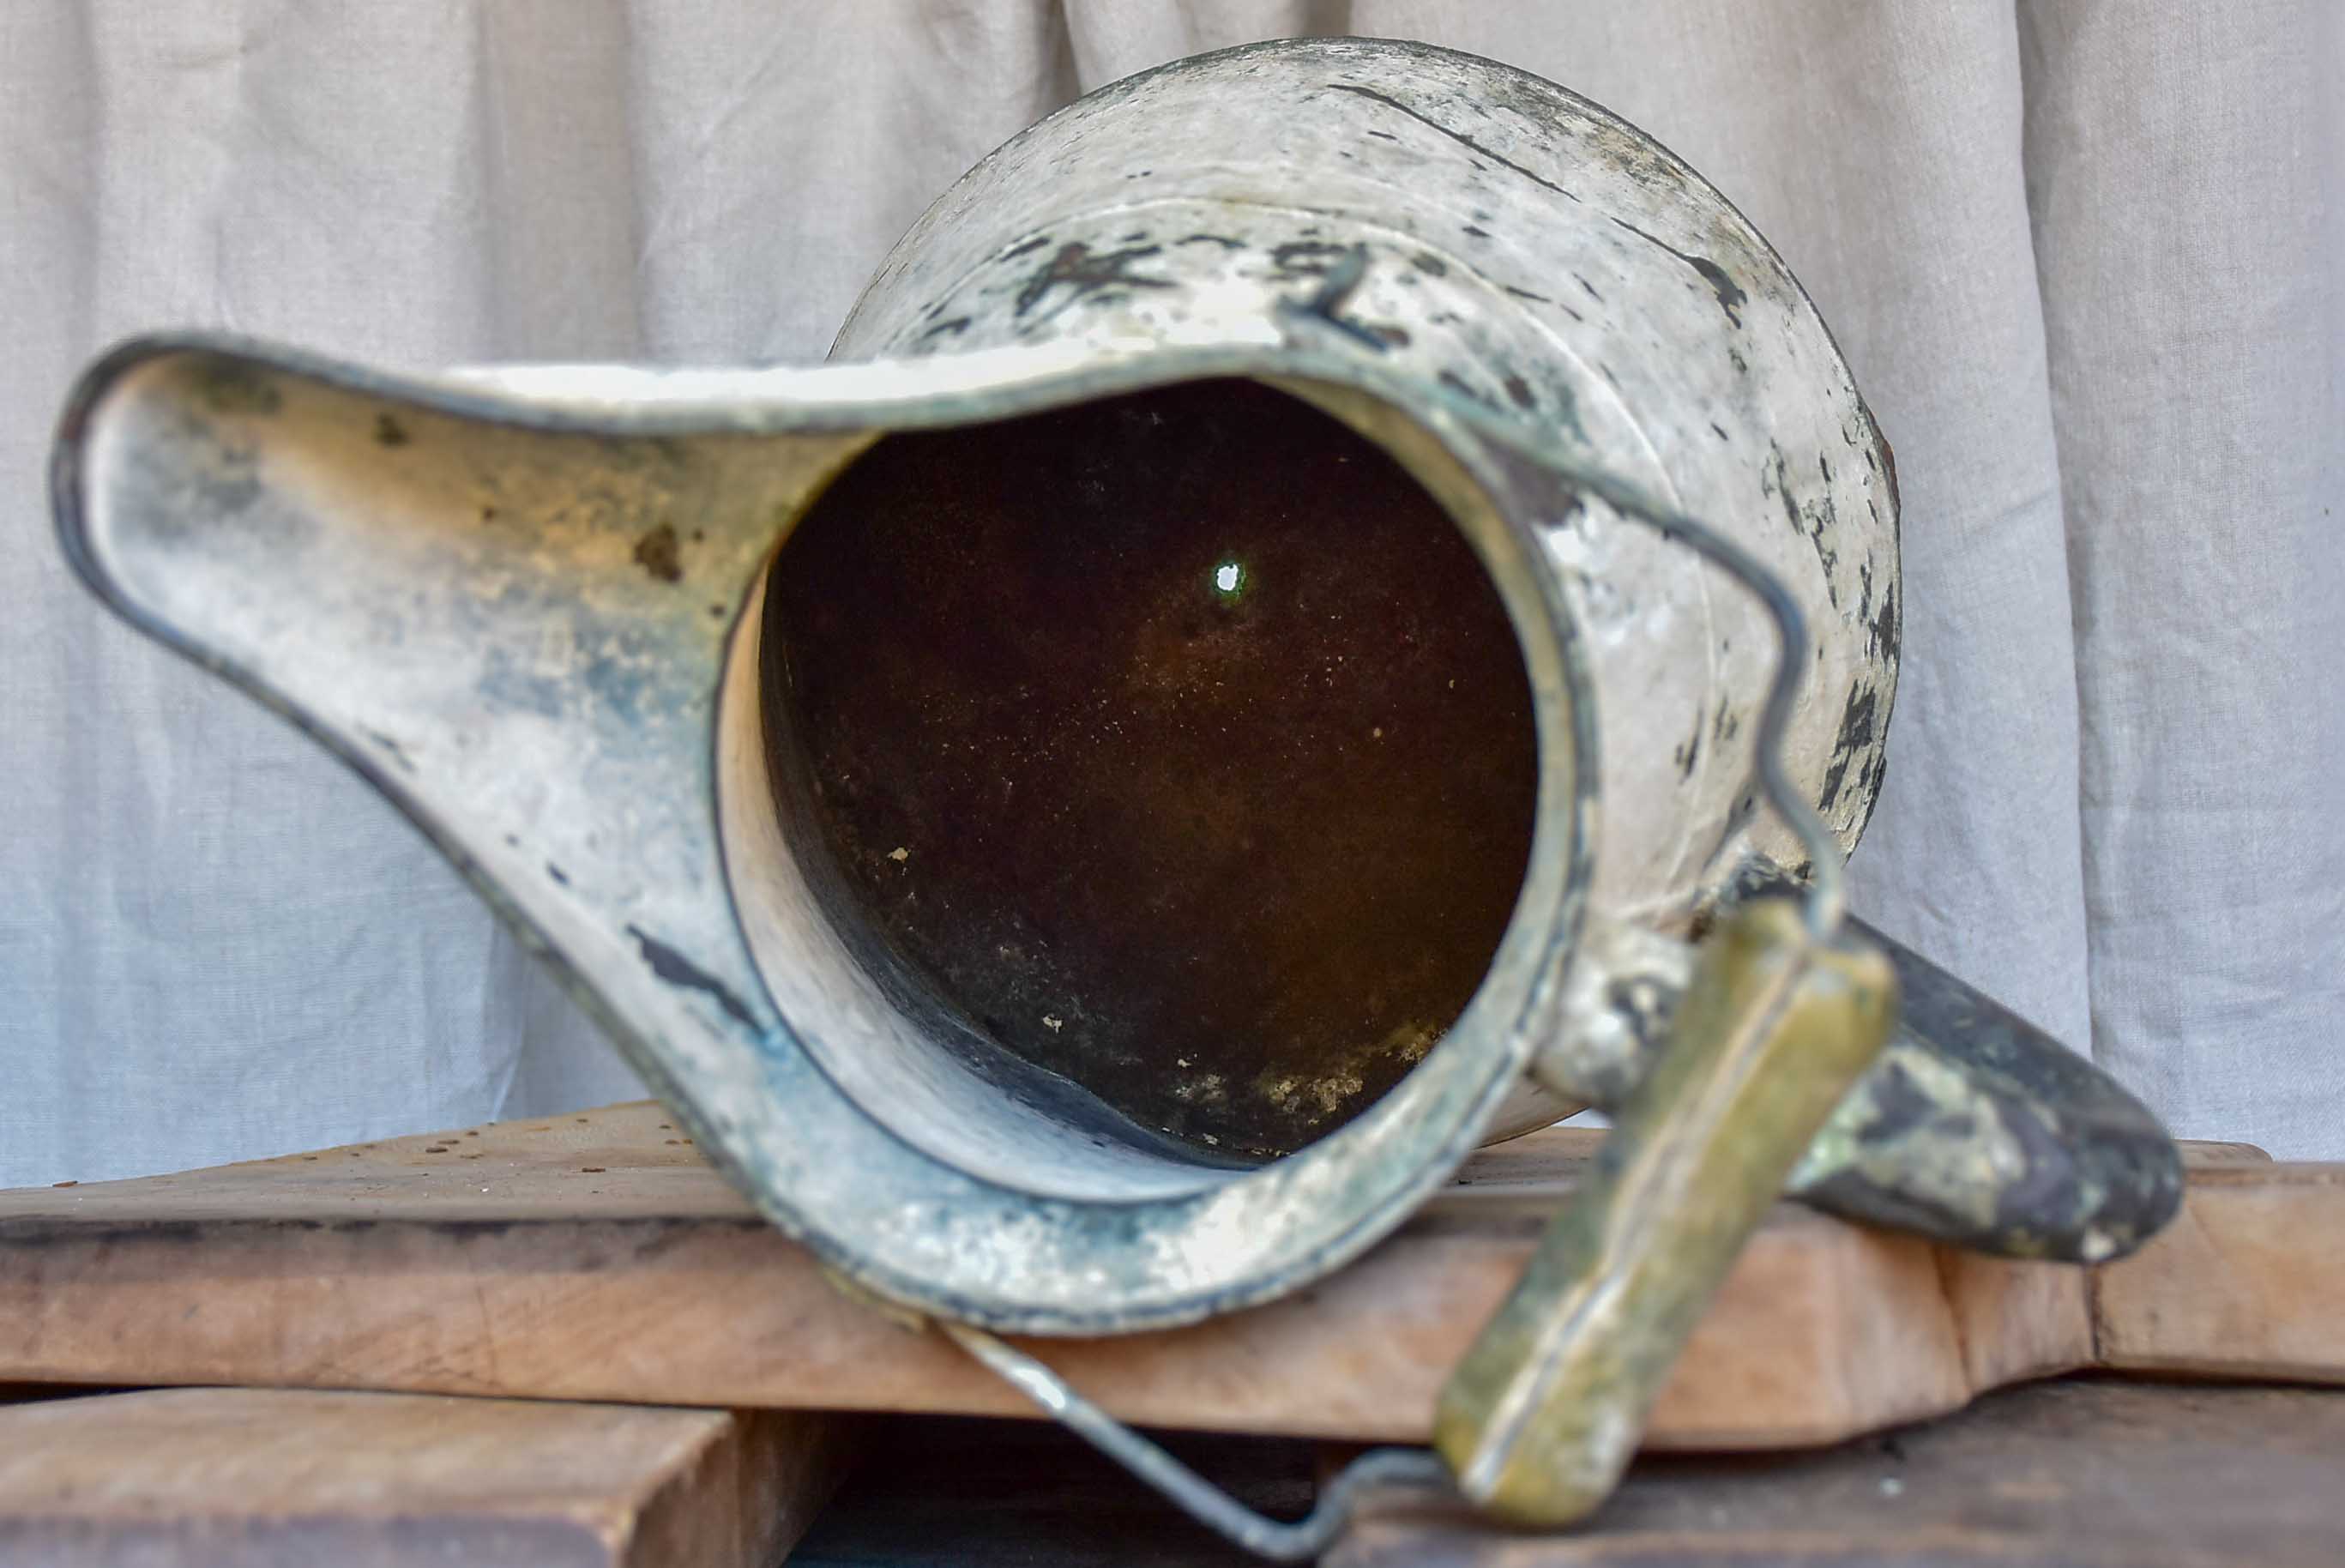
657,552
389,432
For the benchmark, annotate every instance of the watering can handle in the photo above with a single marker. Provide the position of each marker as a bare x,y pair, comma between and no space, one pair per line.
1543,1414
1966,1092
1774,1038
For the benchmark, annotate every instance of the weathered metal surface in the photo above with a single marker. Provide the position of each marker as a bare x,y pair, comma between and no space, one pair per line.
1980,1128
532,609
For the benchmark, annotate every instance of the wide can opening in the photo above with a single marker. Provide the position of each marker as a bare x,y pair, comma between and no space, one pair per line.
1163,771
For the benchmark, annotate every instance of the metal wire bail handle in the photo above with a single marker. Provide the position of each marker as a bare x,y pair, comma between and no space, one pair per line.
1544,1411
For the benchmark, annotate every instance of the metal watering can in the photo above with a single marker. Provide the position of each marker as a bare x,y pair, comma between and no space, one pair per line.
1336,602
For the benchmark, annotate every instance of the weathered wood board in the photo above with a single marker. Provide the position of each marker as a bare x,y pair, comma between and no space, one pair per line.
382,1480
2083,1473
2248,1282
2072,1473
597,1258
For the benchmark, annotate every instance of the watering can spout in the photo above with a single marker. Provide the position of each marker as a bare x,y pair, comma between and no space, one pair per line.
531,612
482,617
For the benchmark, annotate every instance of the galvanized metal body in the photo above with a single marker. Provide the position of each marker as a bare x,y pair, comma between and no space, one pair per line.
1523,249
526,603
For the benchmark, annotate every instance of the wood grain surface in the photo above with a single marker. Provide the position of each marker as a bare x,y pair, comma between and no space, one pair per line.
263,1476
2248,1282
596,1258
2075,1473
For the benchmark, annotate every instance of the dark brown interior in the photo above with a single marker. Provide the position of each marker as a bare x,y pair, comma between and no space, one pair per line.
1177,745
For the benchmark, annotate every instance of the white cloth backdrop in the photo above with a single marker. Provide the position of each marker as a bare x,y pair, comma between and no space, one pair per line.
2085,257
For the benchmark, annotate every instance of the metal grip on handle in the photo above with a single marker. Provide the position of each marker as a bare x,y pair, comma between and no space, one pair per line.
1543,1414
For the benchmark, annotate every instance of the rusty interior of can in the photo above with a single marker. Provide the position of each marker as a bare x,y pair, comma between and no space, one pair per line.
1178,745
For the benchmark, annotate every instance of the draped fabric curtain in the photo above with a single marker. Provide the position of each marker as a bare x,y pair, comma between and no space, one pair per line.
2083,256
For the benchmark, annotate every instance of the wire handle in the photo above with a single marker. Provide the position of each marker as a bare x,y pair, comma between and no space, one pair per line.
1825,901
1414,1469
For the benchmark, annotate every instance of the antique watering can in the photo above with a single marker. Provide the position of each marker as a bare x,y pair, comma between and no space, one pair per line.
1335,603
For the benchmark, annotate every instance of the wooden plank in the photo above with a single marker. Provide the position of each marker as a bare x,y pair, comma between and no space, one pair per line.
2077,1472
2089,1473
2248,1282
234,1476
597,1258
2016,1321
2020,1320
2199,1152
